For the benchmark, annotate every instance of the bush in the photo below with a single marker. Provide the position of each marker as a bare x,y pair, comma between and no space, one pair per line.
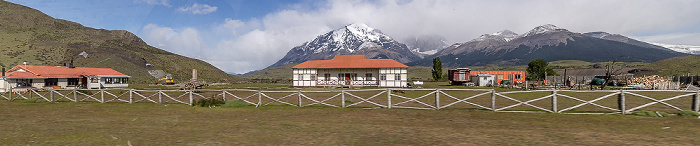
34,100
209,102
235,103
689,113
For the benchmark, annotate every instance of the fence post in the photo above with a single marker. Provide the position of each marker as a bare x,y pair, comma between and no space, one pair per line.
51,91
299,95
223,95
554,101
259,98
191,99
75,95
493,99
621,101
696,101
437,99
342,97
160,96
102,95
11,92
131,96
388,98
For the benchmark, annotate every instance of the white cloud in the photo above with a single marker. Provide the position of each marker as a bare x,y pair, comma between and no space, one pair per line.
154,2
245,45
187,41
198,9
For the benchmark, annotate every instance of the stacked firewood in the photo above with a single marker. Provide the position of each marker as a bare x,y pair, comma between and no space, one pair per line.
654,82
648,81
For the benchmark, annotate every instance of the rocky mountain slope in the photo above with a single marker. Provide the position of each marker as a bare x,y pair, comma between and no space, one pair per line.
423,45
551,43
28,35
355,38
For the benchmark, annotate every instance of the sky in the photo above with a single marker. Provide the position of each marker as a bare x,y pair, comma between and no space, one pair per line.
239,36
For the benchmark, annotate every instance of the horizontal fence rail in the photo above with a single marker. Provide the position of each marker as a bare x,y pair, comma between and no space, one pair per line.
554,101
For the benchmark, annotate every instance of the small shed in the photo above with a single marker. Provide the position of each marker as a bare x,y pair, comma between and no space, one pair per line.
483,79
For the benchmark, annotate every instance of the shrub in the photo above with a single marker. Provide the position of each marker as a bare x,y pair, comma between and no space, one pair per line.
235,103
209,102
689,113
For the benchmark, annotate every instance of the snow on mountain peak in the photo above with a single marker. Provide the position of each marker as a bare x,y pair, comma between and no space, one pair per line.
598,34
504,35
543,29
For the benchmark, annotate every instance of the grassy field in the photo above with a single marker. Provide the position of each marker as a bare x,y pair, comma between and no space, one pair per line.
70,123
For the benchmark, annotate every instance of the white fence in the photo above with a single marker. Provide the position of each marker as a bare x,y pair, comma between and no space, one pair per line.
555,101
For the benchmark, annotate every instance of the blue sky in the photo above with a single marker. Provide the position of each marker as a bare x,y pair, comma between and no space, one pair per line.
243,35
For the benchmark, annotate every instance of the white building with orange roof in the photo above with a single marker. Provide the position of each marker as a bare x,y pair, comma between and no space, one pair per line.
350,71
65,77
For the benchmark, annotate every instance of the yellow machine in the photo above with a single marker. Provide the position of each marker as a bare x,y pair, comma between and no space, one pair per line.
168,80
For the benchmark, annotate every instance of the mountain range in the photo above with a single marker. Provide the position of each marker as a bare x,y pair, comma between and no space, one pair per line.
28,35
548,42
356,38
505,47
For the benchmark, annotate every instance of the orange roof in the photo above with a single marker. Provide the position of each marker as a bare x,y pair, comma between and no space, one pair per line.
351,61
43,71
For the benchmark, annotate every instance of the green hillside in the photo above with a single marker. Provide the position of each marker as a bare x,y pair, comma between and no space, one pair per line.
677,66
28,35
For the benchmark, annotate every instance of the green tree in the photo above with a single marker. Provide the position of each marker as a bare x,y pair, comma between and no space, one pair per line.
537,69
437,69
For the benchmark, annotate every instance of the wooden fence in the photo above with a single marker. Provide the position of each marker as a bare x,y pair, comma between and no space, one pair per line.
555,101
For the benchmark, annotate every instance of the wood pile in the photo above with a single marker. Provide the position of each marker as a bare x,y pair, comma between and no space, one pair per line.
653,82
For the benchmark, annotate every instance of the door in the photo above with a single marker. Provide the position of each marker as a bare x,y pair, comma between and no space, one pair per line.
347,79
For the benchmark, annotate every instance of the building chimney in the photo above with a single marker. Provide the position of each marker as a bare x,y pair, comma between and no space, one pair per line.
3,71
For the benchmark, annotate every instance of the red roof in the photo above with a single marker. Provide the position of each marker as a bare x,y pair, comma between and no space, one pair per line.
43,71
351,61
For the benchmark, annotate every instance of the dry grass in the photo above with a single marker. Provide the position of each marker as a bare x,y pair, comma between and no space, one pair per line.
70,123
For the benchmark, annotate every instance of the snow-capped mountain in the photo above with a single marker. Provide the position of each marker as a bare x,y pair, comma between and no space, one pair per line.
356,38
425,44
548,42
547,28
505,35
689,49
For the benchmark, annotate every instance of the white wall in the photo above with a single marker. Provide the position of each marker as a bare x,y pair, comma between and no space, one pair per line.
391,80
303,77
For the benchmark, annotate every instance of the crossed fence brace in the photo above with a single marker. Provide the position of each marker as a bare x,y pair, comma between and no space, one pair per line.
287,98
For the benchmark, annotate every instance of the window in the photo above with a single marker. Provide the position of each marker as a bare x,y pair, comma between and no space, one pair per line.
72,81
354,76
368,76
397,77
94,80
500,77
327,76
24,82
108,80
125,80
300,77
117,80
382,77
50,82
517,76
313,77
